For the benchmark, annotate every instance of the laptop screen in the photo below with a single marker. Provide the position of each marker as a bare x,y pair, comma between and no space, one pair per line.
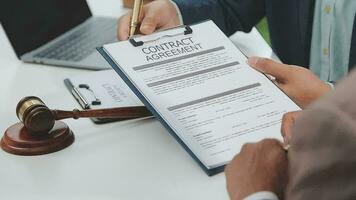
30,24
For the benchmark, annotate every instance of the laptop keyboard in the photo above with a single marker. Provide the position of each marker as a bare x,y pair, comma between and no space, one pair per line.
82,42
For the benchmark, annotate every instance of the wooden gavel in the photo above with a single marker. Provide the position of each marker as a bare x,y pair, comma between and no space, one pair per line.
39,119
40,132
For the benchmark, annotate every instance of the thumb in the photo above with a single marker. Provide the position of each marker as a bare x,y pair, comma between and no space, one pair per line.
268,66
288,122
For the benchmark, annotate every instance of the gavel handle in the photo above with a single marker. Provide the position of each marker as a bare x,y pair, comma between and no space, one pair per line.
119,113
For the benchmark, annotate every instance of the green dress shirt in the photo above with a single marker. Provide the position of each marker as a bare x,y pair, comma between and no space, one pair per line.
331,39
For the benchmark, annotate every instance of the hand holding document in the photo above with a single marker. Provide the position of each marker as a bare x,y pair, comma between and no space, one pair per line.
201,89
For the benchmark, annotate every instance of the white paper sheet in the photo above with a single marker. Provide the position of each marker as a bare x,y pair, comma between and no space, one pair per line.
202,87
109,88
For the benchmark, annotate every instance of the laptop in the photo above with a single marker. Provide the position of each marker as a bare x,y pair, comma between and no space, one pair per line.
57,32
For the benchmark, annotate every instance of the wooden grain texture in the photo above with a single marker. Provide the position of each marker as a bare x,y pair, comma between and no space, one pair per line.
19,141
117,113
39,119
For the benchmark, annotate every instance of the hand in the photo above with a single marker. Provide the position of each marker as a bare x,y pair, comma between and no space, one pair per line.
259,167
297,82
288,121
159,14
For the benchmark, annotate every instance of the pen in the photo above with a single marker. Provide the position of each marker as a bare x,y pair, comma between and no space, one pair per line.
135,16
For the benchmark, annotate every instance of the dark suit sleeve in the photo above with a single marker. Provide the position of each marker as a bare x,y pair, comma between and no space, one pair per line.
229,15
322,155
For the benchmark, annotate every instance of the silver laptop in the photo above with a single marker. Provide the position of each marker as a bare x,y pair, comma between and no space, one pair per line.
57,32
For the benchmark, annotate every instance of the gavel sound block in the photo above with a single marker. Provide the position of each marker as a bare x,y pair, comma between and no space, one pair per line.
40,133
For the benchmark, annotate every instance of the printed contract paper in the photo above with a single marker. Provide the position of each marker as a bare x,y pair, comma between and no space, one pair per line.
202,88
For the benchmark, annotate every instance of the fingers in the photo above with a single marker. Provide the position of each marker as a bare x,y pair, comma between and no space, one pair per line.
266,143
155,15
268,66
271,142
150,21
288,121
271,146
123,27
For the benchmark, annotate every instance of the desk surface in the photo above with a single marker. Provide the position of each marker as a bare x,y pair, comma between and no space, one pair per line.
125,160
135,159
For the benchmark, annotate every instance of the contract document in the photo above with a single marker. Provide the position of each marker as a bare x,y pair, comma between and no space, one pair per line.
197,83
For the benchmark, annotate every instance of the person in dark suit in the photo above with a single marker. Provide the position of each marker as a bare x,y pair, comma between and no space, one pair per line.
314,34
316,39
319,35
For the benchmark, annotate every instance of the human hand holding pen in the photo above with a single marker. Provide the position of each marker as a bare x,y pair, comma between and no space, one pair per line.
159,14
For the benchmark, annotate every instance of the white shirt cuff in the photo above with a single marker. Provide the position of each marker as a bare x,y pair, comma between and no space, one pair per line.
331,85
264,195
179,14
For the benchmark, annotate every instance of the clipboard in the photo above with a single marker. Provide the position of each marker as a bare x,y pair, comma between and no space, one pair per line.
187,31
135,43
89,91
214,102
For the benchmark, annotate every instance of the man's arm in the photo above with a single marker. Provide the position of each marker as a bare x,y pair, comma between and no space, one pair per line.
323,145
229,15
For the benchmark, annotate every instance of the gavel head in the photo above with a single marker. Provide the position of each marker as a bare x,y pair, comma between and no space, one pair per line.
35,115
38,133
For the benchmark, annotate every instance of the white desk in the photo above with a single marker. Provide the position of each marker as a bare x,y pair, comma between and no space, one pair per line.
124,160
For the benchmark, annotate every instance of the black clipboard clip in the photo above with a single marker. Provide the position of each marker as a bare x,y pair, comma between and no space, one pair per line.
81,98
188,30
